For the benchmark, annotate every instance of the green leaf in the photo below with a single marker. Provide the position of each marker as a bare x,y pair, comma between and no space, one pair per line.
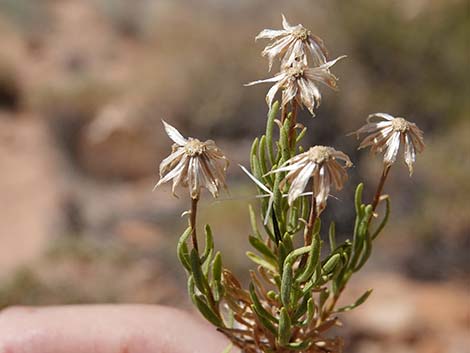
298,346
182,249
362,252
191,286
260,310
358,196
286,284
196,270
254,148
217,267
313,257
257,172
384,220
269,130
262,248
254,224
302,308
272,295
277,196
217,285
262,155
301,135
265,322
284,139
365,254
332,236
209,244
308,286
284,330
359,236
294,217
287,241
262,262
296,253
228,349
206,311
358,302
331,264
310,310
207,264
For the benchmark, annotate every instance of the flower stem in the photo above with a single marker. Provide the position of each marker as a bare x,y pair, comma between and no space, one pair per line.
380,187
292,125
192,223
283,114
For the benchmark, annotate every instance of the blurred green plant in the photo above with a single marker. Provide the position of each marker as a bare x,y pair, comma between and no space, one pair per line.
84,270
433,42
128,18
30,16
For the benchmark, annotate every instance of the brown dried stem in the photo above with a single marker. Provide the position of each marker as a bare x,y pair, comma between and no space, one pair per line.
380,187
192,223
292,124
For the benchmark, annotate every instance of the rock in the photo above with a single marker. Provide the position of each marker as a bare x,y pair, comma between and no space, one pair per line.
30,186
121,143
405,316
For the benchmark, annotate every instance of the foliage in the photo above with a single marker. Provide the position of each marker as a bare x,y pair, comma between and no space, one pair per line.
290,304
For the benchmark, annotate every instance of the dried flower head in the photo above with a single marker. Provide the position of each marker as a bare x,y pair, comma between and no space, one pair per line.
293,43
194,164
299,82
319,162
388,133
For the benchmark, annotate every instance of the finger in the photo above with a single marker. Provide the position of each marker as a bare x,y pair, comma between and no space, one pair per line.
106,329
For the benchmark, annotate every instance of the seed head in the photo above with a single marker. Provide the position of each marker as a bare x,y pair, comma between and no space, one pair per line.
193,164
388,133
293,43
321,163
299,82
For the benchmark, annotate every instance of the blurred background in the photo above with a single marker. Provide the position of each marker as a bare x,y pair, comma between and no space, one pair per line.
85,83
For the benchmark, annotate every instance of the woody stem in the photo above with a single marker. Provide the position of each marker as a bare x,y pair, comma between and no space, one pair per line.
192,223
292,124
283,114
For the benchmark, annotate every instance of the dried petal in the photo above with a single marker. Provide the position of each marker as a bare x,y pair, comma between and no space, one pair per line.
319,162
193,164
388,133
293,43
299,82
